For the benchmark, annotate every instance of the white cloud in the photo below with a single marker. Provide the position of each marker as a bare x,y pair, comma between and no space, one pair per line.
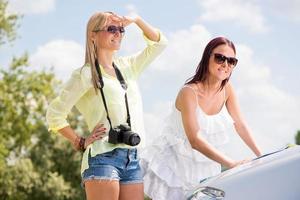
287,9
271,111
31,6
249,72
131,8
246,14
179,60
64,56
177,63
185,49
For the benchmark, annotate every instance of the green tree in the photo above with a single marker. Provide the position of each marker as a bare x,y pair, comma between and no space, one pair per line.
34,164
8,24
297,137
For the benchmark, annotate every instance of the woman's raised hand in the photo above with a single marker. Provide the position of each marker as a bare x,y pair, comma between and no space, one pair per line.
124,20
127,20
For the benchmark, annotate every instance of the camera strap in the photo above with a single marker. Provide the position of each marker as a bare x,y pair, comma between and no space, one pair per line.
123,85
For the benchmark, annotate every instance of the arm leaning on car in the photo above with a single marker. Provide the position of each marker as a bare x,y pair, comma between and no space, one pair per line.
187,104
239,123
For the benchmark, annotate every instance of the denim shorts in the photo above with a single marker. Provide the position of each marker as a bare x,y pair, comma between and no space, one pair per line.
119,164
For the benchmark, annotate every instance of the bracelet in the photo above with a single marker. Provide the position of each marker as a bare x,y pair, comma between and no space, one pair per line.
81,144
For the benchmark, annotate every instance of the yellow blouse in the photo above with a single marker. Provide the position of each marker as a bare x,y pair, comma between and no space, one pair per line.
79,91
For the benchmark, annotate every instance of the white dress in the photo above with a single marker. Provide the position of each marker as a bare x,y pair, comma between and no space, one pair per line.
171,166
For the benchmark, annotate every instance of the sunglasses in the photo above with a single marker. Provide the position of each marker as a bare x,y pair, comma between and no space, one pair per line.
220,59
113,29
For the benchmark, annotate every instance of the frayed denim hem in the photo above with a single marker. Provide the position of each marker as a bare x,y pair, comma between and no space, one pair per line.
131,182
99,178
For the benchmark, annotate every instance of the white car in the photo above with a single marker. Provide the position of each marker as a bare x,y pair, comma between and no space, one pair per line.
274,176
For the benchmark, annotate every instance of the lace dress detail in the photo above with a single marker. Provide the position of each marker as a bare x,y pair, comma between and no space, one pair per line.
171,166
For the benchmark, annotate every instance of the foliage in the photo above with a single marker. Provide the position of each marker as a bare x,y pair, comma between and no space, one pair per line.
8,23
34,164
297,137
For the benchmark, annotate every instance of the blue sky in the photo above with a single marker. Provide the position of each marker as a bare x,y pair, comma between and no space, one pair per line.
266,35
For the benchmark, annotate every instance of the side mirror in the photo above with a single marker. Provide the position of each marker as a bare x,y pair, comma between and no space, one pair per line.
207,193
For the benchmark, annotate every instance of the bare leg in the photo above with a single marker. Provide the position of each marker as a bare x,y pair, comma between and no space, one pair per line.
131,191
102,190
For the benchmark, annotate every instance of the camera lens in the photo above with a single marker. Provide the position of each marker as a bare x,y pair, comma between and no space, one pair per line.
131,138
134,139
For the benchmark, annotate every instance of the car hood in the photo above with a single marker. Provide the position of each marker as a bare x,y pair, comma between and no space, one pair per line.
272,176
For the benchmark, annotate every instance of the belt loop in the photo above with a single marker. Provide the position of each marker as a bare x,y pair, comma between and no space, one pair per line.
128,158
89,153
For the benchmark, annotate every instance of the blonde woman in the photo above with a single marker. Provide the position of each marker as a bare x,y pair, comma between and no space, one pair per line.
110,166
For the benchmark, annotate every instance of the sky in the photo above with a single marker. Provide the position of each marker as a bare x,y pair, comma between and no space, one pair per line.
266,35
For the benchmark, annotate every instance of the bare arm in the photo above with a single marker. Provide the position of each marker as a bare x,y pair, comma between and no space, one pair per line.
187,104
239,123
70,134
149,31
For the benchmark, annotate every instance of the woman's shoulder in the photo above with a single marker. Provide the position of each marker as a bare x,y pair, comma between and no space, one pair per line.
82,75
188,90
228,89
187,95
190,86
83,72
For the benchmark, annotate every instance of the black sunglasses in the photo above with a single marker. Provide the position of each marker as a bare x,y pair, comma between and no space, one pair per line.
113,29
220,59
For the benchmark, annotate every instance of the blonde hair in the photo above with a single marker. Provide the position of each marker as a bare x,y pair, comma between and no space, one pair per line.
95,23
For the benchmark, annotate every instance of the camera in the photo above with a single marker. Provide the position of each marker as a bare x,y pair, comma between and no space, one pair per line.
123,134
